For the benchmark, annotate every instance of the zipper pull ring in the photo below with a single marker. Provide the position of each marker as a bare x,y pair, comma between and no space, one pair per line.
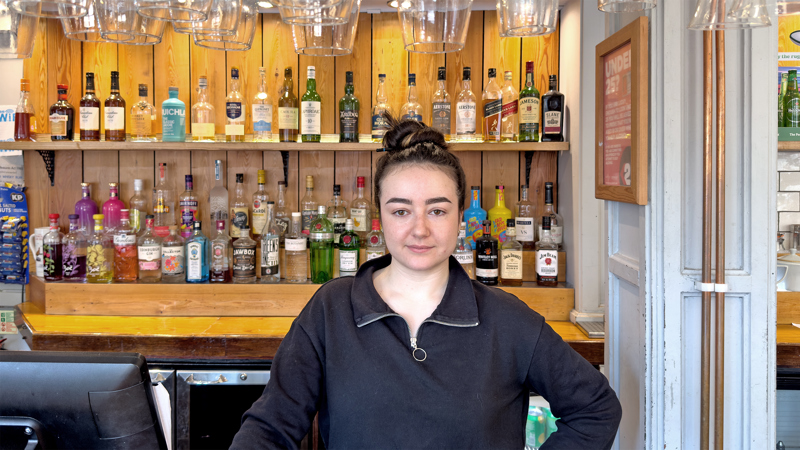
423,355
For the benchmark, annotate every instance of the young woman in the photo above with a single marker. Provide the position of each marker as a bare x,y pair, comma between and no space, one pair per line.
411,353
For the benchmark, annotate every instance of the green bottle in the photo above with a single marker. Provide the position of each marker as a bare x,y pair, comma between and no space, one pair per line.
348,112
529,108
348,250
781,96
321,243
311,110
791,102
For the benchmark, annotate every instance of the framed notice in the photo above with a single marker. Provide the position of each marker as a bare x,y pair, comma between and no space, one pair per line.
622,115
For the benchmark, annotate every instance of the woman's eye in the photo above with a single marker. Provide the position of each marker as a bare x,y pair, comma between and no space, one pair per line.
400,212
438,212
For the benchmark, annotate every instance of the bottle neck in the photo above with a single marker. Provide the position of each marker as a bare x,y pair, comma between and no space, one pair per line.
360,191
442,85
349,89
114,86
149,224
53,225
239,189
311,85
98,227
270,213
529,79
476,199
466,84
525,195
74,226
309,191
24,97
85,192
412,93
62,97
297,225
281,196
218,174
202,94
189,186
234,85
113,193
89,85
262,83
143,98
124,222
553,85
380,96
500,198
511,232
287,84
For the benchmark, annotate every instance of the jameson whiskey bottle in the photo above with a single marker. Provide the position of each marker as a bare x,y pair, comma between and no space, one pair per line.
440,119
492,109
553,112
115,112
348,112
90,112
312,109
791,102
287,109
529,108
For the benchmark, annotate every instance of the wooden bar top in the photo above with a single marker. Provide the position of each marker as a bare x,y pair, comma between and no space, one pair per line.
251,338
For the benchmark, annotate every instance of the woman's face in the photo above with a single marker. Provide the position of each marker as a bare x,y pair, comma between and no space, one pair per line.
420,216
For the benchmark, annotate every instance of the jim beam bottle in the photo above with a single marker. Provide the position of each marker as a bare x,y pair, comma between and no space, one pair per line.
546,257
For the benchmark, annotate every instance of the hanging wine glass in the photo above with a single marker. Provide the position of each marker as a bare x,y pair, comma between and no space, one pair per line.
333,40
147,31
434,26
242,40
730,15
787,7
17,34
50,9
85,29
223,19
337,14
526,18
621,6
117,19
175,10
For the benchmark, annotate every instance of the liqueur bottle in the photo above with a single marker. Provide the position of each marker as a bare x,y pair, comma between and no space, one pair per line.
440,111
337,213
163,203
240,211
529,108
86,208
546,257
188,203
379,124
511,258
309,205
99,254
262,111
270,248
126,254
218,196
149,254
258,207
143,119
52,251
283,217
74,252
474,217
499,215
173,118
463,252
203,115
90,112
556,221
173,257
311,104
112,208
492,109
24,116
553,113
296,251
244,258
360,210
791,102
321,243
288,116
412,110
525,215
348,112
114,111
508,127
376,245
138,206
466,110
62,117
234,110
486,266
220,255
349,247
197,255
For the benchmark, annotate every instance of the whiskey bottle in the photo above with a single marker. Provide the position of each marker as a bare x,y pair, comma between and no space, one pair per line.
173,118
143,117
348,250
90,112
412,110
466,110
240,211
499,214
529,108
296,251
486,266
203,115
234,110
62,117
511,258
546,257
287,109
309,205
262,112
492,109
24,116
379,125
510,110
337,213
360,209
114,112
556,221
348,112
440,111
311,104
553,113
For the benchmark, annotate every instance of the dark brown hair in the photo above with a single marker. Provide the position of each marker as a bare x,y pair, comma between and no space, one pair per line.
410,142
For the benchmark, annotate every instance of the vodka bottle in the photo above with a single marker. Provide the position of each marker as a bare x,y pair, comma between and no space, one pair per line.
218,196
309,205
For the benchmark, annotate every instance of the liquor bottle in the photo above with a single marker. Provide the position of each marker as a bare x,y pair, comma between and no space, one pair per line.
143,119
474,217
463,252
244,258
337,213
25,116
149,254
62,117
466,110
525,213
379,124
114,111
511,258
296,251
240,211
492,109
529,108
287,109
163,203
270,248
309,205
553,113
173,257
781,96
203,115
218,196
412,110
112,208
348,112
234,110
99,254
508,127
188,203
74,252
360,210
486,267
499,215
126,254
86,208
283,217
376,244
440,111
791,102
220,255
90,112
196,250
311,104
556,221
349,246
258,207
52,250
137,206
321,243
546,257
173,118
262,111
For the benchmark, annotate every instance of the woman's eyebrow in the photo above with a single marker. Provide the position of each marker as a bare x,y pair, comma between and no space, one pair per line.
429,201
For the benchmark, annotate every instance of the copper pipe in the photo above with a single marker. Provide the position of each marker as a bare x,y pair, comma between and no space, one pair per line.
719,366
705,365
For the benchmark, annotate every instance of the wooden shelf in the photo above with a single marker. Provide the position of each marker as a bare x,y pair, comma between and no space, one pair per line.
788,146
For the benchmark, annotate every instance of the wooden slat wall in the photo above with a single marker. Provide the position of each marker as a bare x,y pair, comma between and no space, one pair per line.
176,61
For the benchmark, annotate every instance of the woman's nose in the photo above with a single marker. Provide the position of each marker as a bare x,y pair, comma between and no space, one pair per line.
421,226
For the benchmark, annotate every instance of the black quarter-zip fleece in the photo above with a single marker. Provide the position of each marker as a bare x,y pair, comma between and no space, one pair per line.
350,357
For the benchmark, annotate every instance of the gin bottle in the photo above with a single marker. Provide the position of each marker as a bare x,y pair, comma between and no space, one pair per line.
376,245
99,254
137,206
296,251
511,258
321,242
348,251
463,252
74,252
244,258
112,208
143,117
270,248
309,205
337,213
149,254
86,208
173,257
126,259
262,110
196,250
52,247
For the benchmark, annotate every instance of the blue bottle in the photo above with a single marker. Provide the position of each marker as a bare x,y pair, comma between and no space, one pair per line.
173,118
197,254
474,217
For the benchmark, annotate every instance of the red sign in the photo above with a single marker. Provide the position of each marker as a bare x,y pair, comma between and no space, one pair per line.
617,117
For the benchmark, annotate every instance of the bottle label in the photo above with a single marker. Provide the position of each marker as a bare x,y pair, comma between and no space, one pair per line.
173,124
491,119
262,118
149,257
552,122
412,115
124,239
219,256
486,273
372,254
529,115
556,233
547,264
359,217
311,117
270,254
259,219
234,111
287,118
511,264
188,216
466,113
441,117
172,260
524,229
239,219
309,215
295,245
244,262
319,237
194,261
234,130
136,219
348,121
115,118
58,124
283,223
379,126
161,231
203,129
338,228
499,229
474,230
510,108
90,118
464,258
348,260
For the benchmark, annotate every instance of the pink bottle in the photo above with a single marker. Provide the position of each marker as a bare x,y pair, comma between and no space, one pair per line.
112,207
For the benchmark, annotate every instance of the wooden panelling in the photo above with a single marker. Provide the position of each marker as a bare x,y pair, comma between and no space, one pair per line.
544,168
273,165
38,186
277,56
500,168
501,53
389,57
470,56
471,162
99,169
63,65
35,69
67,189
171,58
101,58
203,179
133,165
178,166
247,163
135,68
320,166
248,63
349,166
210,63
359,59
788,308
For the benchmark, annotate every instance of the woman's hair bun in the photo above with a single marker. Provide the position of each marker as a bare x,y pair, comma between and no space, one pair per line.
408,133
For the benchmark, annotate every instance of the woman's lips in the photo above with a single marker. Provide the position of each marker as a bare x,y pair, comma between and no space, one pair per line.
419,248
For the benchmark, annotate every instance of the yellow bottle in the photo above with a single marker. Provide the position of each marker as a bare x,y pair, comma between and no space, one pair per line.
499,214
99,254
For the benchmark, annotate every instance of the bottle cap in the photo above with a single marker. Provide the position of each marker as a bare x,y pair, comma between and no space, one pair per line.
198,224
24,85
296,214
85,185
270,202
376,224
381,75
510,223
476,188
124,214
501,187
311,72
281,183
53,216
189,178
467,73
309,182
62,87
508,75
262,177
348,224
348,77
240,178
529,66
203,81
412,78
492,72
287,72
73,217
442,74
138,184
524,186
142,90
97,216
235,73
173,89
337,189
360,181
321,209
112,185
149,216
220,224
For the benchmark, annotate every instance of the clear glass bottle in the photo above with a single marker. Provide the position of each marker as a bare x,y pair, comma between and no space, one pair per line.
163,202
25,116
86,208
62,117
262,110
283,217
74,252
466,110
270,248
218,196
52,251
296,251
440,110
221,255
309,205
486,267
553,113
258,207
188,203
337,213
361,210
203,115
114,112
499,214
412,110
99,254
126,253
529,108
112,208
508,127
546,257
463,252
556,221
288,114
349,247
311,106
173,118
511,258
348,112
525,215
244,258
240,210
235,114
173,257
138,206
492,109
197,252
143,118
474,217
90,112
149,254
379,124
321,243
376,245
